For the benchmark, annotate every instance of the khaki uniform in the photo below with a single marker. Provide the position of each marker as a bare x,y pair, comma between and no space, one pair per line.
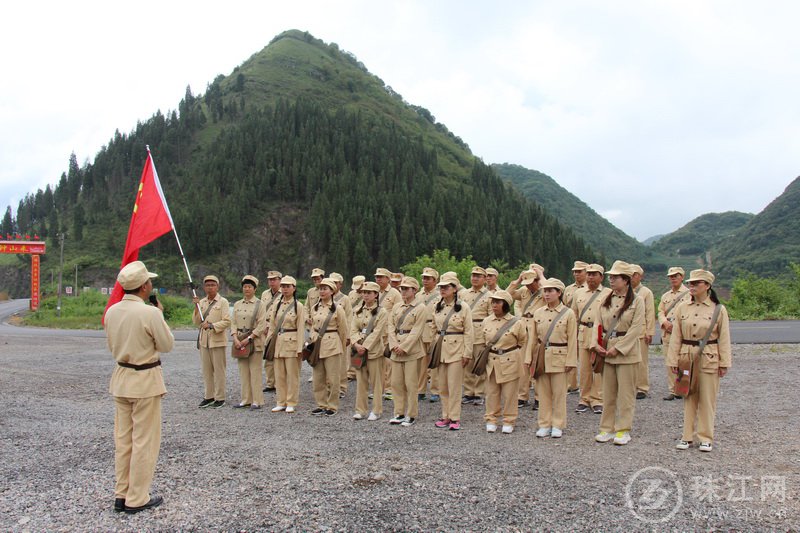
407,335
344,301
642,370
355,299
692,320
525,304
591,383
502,368
334,341
456,345
268,299
560,353
288,347
666,304
212,345
388,299
428,299
250,367
136,333
567,298
480,305
370,377
619,372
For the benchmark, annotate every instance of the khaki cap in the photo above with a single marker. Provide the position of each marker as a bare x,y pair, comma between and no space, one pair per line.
675,270
396,276
553,283
408,281
358,281
317,272
701,275
134,275
594,267
529,276
251,279
371,286
448,278
383,272
580,265
288,280
328,282
430,272
637,269
479,270
503,295
272,274
536,266
335,276
621,268
492,272
211,277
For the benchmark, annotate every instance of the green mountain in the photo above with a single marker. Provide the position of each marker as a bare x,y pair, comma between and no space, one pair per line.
702,234
767,243
300,157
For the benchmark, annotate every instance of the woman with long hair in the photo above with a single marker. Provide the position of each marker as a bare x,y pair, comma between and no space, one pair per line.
620,324
690,335
367,329
333,338
287,317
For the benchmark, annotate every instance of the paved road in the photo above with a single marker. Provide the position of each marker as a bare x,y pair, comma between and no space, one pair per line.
755,332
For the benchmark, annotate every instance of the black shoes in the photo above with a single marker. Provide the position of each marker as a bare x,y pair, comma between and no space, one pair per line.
582,408
206,403
670,397
155,501
318,411
535,405
597,409
269,389
119,505
217,404
641,395
329,412
522,403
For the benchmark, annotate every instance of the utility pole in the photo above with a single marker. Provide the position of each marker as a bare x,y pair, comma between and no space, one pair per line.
60,273
76,279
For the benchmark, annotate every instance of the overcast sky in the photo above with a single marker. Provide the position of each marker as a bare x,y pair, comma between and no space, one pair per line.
651,112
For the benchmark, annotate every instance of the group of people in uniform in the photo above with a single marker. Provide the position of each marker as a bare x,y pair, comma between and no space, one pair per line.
408,342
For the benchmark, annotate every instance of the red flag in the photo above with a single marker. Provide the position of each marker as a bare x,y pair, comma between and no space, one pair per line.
150,220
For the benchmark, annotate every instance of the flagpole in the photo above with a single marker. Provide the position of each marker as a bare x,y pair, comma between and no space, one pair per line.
175,232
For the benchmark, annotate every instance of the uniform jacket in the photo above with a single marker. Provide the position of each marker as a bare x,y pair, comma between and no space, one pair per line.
220,317
243,316
505,366
649,309
409,336
691,323
457,345
334,339
289,343
374,341
556,358
586,324
631,323
480,305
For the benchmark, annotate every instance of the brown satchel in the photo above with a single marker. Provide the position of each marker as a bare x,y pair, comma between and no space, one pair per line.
436,348
311,350
684,377
538,365
356,359
246,351
479,364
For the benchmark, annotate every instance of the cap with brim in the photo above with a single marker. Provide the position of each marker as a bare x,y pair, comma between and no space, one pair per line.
478,270
430,272
396,276
250,279
637,269
448,278
317,272
211,277
675,270
288,280
357,282
701,275
580,265
594,267
553,283
383,272
272,274
335,276
328,282
503,295
529,277
536,266
371,286
134,275
492,272
408,281
620,268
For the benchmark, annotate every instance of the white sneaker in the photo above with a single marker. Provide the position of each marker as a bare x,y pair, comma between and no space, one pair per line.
311,379
543,432
290,409
491,428
508,429
705,447
622,438
373,417
556,433
358,416
682,445
603,437
278,408
397,419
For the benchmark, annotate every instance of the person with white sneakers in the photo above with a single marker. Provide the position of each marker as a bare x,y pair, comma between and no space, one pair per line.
553,337
367,330
287,319
507,335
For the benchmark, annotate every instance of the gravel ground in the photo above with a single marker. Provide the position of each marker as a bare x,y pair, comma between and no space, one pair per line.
247,471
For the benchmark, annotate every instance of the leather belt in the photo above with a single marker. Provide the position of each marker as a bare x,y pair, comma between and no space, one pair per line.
280,331
429,320
403,331
587,324
697,343
453,332
327,331
616,334
141,367
507,350
477,320
557,344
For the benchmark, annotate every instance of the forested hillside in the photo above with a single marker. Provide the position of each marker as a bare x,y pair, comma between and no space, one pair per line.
702,234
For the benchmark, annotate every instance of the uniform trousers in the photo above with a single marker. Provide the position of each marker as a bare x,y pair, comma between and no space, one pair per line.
552,389
671,377
404,388
619,397
501,399
591,382
699,408
387,374
326,382
213,363
525,385
287,380
643,368
250,377
424,373
475,385
572,379
370,378
451,379
137,440
269,372
345,362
